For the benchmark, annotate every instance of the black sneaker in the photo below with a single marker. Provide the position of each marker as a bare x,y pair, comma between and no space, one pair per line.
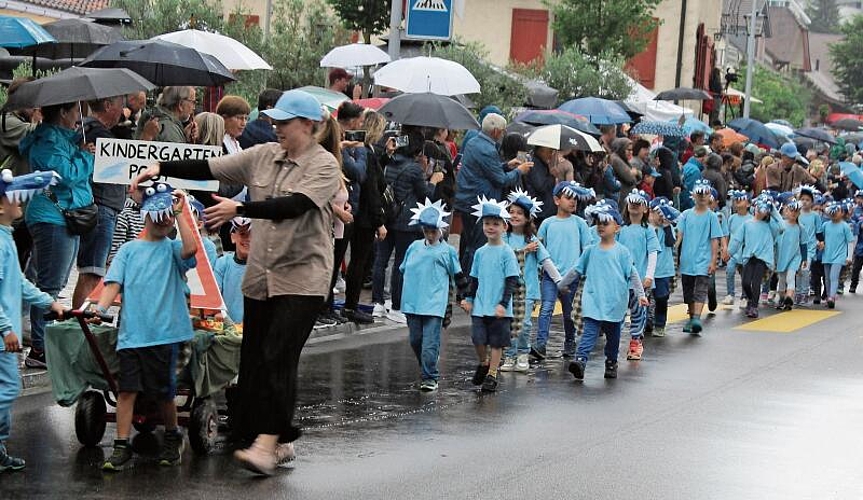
853,289
610,369
324,321
36,359
490,384
538,352
120,459
576,368
359,317
479,375
831,304
336,317
172,448
788,304
8,462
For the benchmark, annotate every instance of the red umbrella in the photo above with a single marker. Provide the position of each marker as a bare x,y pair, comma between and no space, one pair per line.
374,103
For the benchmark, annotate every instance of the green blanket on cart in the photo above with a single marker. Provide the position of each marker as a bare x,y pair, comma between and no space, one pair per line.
208,362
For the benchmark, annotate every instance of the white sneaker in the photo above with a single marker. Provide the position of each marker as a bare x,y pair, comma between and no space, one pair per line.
341,286
397,316
771,297
522,364
379,311
508,365
728,300
742,303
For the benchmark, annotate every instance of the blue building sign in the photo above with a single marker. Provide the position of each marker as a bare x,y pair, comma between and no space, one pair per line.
429,19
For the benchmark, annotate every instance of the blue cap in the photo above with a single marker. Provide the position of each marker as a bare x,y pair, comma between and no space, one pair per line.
789,149
295,104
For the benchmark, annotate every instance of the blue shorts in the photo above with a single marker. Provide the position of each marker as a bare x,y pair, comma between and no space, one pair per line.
149,370
95,245
490,331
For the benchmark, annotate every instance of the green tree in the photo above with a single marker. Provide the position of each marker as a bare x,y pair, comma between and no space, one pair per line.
575,74
369,17
848,60
824,15
155,17
784,97
602,27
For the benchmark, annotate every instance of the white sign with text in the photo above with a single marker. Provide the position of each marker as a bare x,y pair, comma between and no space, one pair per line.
118,161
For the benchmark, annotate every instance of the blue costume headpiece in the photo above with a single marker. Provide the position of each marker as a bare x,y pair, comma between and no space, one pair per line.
158,202
22,187
530,205
602,211
490,208
429,215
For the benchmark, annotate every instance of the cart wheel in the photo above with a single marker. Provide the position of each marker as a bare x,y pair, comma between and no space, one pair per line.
143,427
90,418
203,427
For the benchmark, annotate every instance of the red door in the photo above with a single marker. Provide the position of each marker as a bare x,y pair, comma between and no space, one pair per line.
644,63
529,35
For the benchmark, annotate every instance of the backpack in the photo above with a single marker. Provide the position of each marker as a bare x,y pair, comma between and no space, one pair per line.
391,204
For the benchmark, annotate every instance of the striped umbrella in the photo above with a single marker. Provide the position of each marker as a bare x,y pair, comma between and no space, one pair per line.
664,129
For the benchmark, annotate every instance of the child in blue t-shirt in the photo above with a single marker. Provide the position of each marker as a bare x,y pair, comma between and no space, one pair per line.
810,222
643,245
428,268
740,201
15,290
154,319
609,273
856,222
230,268
838,248
662,218
565,236
791,253
755,242
698,238
532,256
493,279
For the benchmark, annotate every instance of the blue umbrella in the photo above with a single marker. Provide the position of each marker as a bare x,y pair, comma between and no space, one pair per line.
598,111
756,132
816,133
692,124
19,32
852,172
664,129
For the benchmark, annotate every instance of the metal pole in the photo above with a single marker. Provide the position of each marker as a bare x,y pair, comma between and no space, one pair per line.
394,46
268,19
750,58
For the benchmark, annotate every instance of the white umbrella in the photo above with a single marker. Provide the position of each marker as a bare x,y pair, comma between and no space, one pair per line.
233,54
561,137
353,55
736,93
414,75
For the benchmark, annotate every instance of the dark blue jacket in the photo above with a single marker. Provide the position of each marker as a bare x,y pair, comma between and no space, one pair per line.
482,173
257,132
409,186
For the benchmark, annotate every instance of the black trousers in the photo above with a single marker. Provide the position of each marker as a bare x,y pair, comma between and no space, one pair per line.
339,250
856,266
362,248
753,274
274,333
470,239
23,243
816,279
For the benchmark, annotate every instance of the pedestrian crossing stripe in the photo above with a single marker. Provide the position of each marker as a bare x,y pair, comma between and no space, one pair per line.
787,322
430,5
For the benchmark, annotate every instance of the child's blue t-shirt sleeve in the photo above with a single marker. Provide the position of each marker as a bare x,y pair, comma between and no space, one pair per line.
511,264
652,241
117,270
408,253
454,266
583,233
183,264
541,253
583,261
543,230
715,228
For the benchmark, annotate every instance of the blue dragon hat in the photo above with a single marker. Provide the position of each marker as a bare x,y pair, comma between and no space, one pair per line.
429,215
832,208
663,207
763,205
702,186
197,208
21,188
158,202
637,197
489,207
529,204
738,194
573,189
602,211
808,189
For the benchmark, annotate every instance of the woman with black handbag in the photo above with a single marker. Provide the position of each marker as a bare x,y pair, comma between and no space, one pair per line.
58,217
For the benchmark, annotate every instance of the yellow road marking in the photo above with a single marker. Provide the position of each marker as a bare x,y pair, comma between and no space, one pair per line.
558,309
678,313
787,322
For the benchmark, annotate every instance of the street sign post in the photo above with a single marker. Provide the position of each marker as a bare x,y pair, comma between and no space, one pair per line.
429,19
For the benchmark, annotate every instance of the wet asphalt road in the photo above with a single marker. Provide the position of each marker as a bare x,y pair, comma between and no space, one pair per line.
733,415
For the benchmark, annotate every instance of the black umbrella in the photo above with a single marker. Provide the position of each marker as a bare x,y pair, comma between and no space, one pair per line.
848,124
111,15
75,38
429,110
163,63
76,84
854,138
557,117
683,94
816,133
521,128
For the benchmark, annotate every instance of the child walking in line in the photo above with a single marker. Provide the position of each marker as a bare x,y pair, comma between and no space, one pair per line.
565,236
662,218
230,268
755,242
712,300
791,253
643,245
493,279
15,290
740,200
698,238
810,222
609,274
856,223
817,278
838,246
428,267
532,256
150,273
